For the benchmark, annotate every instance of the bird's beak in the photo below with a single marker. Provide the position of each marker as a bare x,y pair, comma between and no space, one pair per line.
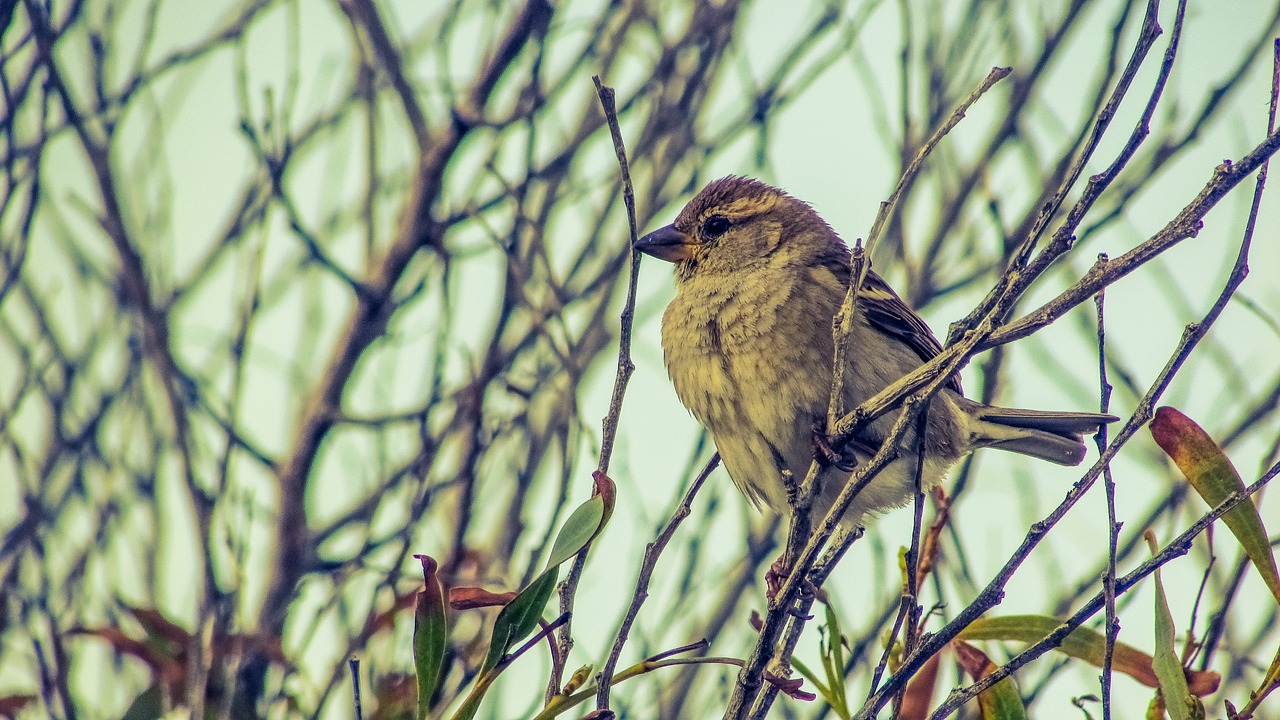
667,243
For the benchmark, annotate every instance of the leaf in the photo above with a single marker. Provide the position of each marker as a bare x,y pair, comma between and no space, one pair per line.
833,660
1001,701
470,598
831,650
1214,478
1083,644
430,635
12,704
1179,701
519,618
587,520
789,687
918,697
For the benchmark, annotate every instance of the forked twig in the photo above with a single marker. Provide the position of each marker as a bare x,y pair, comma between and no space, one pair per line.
747,690
652,551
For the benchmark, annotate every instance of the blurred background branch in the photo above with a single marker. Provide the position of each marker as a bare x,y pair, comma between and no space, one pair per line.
290,292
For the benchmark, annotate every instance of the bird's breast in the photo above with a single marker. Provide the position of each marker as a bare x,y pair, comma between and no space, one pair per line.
751,351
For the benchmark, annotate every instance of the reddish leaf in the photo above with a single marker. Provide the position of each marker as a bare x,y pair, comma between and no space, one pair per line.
1001,701
11,705
1083,644
1211,473
469,598
790,687
918,698
608,491
158,626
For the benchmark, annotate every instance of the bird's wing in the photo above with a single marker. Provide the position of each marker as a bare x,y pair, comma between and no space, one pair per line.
889,314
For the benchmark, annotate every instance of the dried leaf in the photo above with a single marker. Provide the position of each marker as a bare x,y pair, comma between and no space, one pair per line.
1083,644
918,697
470,598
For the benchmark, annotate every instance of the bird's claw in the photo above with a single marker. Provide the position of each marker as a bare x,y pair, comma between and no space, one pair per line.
824,453
774,577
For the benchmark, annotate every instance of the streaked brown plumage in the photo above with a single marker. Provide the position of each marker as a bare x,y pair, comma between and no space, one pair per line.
748,346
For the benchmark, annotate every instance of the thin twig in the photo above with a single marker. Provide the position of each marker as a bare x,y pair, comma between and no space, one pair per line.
1180,546
992,594
1012,278
1256,697
354,664
569,587
911,594
749,680
1113,528
791,634
651,553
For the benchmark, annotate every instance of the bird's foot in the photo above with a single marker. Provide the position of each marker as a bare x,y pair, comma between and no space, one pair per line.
826,454
775,576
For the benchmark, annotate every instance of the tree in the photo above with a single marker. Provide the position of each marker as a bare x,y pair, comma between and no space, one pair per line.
294,292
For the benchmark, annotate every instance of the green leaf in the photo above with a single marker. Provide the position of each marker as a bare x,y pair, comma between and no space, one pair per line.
1082,644
1179,701
430,635
1214,478
587,520
519,618
835,636
831,650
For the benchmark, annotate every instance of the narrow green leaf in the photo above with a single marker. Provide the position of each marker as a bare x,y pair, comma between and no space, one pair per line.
519,618
1179,701
587,520
1082,644
1002,701
835,636
430,635
1215,478
808,674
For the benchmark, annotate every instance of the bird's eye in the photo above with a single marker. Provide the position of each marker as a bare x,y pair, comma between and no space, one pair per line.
715,226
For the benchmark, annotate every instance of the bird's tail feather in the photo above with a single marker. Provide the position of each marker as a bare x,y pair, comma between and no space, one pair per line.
1053,436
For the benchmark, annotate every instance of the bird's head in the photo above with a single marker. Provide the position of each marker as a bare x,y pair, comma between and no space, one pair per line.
738,223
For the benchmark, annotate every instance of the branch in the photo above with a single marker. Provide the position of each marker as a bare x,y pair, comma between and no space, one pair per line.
604,680
625,367
1178,547
994,591
800,536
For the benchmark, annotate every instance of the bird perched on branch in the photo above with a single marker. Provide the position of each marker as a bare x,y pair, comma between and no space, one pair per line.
749,348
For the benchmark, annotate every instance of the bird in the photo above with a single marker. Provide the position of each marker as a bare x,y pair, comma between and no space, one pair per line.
747,342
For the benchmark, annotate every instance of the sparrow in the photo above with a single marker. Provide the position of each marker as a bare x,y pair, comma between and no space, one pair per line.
748,346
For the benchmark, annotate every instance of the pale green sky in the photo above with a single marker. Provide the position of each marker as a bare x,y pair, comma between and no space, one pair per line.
824,149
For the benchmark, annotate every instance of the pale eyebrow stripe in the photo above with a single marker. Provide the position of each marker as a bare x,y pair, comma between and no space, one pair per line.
742,207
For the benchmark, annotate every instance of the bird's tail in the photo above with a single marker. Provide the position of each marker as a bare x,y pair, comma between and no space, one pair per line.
1053,436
